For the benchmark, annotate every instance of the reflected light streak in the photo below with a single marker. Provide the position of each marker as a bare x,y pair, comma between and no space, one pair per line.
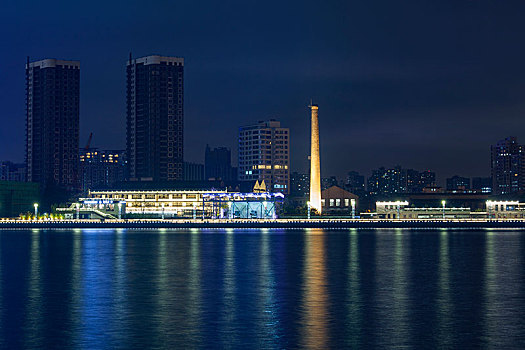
163,292
503,289
76,279
228,314
269,325
444,303
194,286
315,293
120,309
490,285
354,305
34,297
392,294
401,287
1,280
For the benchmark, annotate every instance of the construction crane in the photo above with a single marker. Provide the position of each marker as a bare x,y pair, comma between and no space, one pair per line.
89,141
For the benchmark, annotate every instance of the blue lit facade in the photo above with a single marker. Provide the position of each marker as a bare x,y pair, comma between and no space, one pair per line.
243,205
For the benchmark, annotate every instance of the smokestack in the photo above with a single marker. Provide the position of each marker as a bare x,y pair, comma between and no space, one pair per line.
315,162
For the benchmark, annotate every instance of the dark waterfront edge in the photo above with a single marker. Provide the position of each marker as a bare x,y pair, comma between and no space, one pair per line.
280,224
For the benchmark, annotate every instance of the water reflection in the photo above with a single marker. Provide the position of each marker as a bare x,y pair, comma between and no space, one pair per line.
268,322
229,330
164,295
194,304
503,319
443,302
354,304
315,323
120,306
392,289
1,294
96,281
262,289
34,295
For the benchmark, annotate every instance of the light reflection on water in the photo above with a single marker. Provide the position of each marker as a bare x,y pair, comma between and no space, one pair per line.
443,301
262,289
391,282
315,305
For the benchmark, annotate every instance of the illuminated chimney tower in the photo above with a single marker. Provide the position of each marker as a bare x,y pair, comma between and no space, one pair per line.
315,163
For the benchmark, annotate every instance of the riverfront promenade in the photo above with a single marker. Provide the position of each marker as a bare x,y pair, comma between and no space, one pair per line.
259,223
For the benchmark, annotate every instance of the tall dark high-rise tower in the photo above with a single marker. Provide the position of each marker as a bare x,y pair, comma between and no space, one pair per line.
52,122
155,118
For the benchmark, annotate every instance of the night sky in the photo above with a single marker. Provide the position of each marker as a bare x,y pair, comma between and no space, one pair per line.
423,84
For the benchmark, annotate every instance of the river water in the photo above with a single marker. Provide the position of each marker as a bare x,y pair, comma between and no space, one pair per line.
271,289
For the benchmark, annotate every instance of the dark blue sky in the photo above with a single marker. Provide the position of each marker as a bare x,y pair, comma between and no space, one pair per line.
424,84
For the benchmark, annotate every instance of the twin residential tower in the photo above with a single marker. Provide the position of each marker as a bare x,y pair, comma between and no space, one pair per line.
52,122
154,127
155,118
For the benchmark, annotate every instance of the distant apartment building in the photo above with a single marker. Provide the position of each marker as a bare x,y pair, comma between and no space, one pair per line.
101,168
355,183
155,118
417,181
193,171
458,183
482,184
12,172
264,154
218,164
507,166
327,182
52,122
387,181
299,184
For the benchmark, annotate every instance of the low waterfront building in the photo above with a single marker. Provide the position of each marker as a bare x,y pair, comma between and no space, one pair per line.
170,203
505,210
173,203
335,200
261,205
401,210
385,209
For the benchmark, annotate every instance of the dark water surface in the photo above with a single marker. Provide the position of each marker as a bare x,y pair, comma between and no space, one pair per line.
141,289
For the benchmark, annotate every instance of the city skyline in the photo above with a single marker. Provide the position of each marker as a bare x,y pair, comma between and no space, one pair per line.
262,174
396,96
